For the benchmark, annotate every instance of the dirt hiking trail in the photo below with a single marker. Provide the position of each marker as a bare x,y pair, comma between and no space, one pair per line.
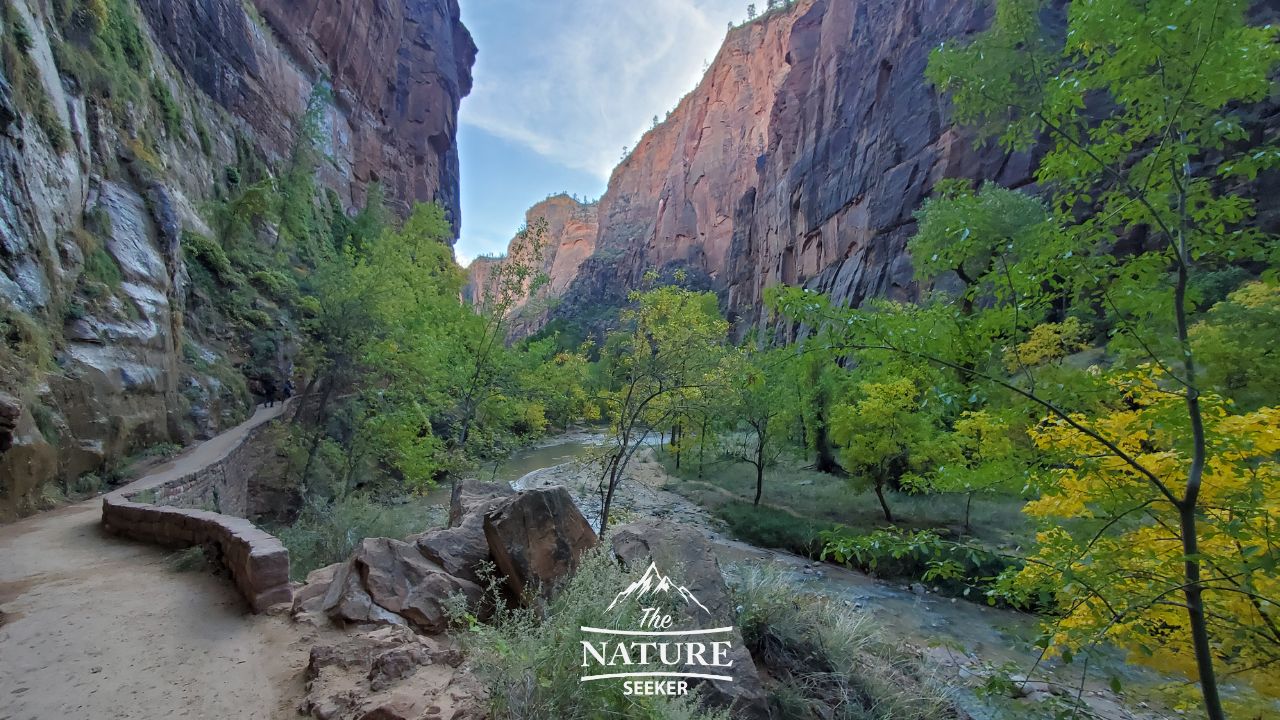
97,627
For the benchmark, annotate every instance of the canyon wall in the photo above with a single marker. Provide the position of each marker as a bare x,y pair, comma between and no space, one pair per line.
398,71
117,133
568,239
799,158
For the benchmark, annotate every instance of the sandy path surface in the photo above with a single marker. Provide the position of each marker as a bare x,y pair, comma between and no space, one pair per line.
98,627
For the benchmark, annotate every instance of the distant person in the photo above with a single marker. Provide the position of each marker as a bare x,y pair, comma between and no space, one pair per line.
269,390
288,389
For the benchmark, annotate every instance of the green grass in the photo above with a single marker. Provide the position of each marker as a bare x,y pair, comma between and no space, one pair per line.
819,501
100,267
800,504
531,658
328,533
192,559
28,89
823,660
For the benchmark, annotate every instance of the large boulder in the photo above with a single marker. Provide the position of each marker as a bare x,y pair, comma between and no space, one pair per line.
390,581
470,497
310,597
462,548
685,555
536,539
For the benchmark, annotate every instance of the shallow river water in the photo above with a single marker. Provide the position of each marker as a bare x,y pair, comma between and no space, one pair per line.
963,641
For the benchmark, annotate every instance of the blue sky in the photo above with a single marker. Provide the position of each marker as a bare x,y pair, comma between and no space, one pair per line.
561,87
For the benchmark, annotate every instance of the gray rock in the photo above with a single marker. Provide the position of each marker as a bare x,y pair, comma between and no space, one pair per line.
389,581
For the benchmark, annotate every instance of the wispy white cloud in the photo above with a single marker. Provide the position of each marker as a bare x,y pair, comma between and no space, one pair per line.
576,81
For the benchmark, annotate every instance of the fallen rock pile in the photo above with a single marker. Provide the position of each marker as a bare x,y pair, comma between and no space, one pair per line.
534,538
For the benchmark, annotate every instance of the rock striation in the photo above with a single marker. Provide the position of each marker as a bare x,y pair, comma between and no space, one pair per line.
398,72
106,349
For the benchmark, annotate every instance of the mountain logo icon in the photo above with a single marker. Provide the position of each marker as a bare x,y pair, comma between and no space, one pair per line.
654,582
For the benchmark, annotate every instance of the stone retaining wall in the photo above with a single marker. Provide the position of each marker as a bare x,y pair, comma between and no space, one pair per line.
258,562
223,487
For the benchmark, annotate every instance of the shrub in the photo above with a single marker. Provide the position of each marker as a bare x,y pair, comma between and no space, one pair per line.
828,661
24,343
531,662
326,533
101,267
275,283
144,497
47,423
170,112
203,249
956,568
86,485
191,559
21,33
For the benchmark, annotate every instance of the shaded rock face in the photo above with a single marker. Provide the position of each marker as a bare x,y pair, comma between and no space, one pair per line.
572,229
399,70
799,159
131,364
685,553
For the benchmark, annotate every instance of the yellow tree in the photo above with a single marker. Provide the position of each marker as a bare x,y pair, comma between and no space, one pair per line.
1112,544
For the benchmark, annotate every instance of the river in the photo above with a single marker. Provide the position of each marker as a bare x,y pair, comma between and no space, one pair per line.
964,642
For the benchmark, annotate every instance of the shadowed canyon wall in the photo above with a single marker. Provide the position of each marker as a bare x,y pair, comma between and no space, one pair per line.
105,350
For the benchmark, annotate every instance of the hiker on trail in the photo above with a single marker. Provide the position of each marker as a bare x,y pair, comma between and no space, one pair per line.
269,391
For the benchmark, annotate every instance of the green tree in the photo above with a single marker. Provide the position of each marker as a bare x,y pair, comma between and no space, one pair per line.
756,410
517,277
1140,103
884,434
668,354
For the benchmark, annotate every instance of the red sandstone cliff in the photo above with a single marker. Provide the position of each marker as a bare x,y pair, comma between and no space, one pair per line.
799,158
572,228
398,72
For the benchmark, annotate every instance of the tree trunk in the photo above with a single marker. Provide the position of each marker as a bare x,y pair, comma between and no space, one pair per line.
968,505
760,440
702,446
319,432
302,401
759,482
826,458
675,438
607,505
884,504
1193,591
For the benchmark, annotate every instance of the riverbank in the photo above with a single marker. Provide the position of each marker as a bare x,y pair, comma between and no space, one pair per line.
971,647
